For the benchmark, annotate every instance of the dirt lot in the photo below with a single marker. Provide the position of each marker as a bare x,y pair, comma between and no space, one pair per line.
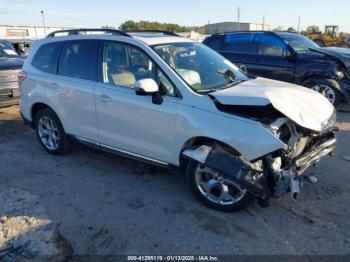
89,203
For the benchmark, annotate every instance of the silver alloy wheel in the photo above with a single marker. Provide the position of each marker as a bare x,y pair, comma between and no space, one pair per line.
217,188
48,133
326,91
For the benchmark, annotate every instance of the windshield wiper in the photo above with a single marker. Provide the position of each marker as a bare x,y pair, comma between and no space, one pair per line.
228,74
206,91
210,90
234,83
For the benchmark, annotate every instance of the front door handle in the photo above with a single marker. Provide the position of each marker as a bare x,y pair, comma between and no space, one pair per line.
105,98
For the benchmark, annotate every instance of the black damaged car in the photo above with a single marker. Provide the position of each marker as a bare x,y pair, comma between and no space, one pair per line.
10,67
289,57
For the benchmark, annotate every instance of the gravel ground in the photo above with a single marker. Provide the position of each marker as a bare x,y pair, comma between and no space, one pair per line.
106,205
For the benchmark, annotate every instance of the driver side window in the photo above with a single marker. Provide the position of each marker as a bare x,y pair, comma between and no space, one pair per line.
270,46
124,65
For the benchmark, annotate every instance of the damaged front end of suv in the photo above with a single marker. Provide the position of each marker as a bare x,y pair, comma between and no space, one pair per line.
303,149
280,172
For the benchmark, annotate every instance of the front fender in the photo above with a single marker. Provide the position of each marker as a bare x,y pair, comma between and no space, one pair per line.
250,138
306,72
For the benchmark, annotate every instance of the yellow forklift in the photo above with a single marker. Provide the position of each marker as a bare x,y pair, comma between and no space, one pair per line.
330,37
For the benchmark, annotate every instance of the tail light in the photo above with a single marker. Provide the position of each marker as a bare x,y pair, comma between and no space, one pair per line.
21,76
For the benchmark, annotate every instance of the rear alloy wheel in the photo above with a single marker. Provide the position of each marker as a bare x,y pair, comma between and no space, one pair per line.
216,191
50,132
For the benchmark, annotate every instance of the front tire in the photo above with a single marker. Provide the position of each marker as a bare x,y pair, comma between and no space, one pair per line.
214,190
50,132
326,87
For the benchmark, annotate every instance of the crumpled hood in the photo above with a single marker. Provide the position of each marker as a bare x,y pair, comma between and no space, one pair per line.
304,106
342,54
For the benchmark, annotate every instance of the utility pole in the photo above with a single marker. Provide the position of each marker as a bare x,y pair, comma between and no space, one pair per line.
208,28
238,17
43,20
263,23
298,31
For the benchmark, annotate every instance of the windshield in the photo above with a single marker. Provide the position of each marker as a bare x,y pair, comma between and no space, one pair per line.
7,51
299,43
200,67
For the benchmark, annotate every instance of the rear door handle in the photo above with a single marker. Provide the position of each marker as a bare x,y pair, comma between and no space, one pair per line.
105,98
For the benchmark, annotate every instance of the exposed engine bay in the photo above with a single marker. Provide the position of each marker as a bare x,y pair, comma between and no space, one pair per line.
304,148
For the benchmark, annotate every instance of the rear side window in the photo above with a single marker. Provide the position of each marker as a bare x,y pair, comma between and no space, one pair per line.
45,57
241,43
79,59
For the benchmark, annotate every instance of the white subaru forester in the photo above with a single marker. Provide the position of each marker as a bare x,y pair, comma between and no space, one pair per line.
167,100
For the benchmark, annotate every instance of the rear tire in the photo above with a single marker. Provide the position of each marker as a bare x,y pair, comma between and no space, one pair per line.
50,132
242,197
326,87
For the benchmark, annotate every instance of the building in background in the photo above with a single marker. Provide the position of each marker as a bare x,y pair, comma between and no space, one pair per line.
225,27
193,36
22,37
11,32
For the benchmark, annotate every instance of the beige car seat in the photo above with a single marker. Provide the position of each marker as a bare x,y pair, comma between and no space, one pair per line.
117,72
124,78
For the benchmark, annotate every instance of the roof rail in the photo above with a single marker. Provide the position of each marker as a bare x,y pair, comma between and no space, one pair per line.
247,31
164,32
85,30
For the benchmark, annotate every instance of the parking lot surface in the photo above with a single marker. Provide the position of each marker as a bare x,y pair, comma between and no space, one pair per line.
88,203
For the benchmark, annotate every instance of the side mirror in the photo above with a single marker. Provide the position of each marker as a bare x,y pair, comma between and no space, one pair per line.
243,69
289,55
148,87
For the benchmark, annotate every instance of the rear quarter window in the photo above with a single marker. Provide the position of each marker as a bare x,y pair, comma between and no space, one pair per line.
46,56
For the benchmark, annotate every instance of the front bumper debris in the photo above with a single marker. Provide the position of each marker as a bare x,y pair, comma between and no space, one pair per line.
320,149
260,182
291,179
233,167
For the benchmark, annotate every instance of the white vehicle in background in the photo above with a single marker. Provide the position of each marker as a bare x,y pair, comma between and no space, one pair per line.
176,103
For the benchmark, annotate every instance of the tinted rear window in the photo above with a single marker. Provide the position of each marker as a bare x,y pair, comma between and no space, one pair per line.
45,57
79,59
241,43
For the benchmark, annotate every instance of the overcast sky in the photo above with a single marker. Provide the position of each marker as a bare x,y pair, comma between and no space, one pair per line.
93,13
